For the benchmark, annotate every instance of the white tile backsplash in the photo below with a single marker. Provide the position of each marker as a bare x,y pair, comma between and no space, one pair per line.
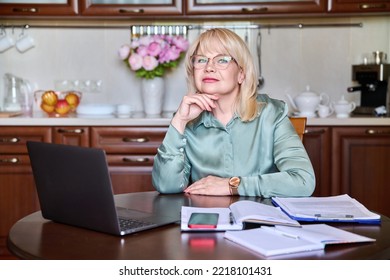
291,59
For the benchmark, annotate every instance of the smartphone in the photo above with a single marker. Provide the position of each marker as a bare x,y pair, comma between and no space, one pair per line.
203,220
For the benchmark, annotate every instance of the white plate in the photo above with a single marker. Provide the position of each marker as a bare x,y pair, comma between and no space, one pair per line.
95,109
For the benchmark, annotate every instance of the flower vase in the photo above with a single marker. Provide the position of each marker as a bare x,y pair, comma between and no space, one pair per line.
152,91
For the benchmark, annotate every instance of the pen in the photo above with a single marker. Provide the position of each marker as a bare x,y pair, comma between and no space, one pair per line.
285,234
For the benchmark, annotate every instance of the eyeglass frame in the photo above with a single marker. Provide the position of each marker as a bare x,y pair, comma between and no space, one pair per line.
216,65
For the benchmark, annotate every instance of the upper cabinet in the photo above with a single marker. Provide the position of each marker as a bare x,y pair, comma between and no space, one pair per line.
32,8
131,8
254,7
187,9
359,6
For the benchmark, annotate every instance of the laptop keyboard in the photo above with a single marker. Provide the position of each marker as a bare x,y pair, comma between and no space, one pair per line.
126,224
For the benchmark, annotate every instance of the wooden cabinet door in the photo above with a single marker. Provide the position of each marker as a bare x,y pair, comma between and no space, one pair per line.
34,8
130,154
69,135
317,141
18,196
359,6
361,164
128,140
131,8
254,8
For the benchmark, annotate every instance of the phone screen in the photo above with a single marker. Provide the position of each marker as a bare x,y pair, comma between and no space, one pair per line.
203,220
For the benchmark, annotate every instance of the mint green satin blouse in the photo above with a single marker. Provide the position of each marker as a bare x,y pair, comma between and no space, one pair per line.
266,153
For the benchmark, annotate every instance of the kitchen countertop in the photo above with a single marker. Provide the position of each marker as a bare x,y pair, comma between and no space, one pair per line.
138,119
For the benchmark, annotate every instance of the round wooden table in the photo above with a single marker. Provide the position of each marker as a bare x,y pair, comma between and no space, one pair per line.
36,238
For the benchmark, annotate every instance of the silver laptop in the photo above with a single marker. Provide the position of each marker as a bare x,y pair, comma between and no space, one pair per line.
74,188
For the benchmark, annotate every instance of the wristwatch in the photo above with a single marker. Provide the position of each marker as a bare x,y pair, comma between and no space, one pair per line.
234,183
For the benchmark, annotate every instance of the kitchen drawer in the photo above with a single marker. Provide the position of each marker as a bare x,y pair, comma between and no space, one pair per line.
14,163
128,140
13,139
130,160
71,135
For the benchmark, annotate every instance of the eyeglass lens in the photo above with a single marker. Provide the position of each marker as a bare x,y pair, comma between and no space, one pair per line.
219,62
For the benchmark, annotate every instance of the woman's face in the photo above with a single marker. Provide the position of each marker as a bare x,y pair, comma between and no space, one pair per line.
211,79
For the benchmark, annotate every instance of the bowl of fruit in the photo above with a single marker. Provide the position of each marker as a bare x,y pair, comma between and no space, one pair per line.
58,103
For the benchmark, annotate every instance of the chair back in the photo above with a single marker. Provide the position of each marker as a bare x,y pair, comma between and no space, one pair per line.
299,124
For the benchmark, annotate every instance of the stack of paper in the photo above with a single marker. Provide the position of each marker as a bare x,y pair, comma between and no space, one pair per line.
341,208
278,240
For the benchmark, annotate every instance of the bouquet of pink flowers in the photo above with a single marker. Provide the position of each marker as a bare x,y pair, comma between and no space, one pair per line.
151,56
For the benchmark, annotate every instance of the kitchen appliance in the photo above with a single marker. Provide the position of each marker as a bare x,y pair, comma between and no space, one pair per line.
373,82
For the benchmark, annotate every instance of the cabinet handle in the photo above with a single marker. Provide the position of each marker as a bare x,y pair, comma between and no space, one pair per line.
372,6
77,130
317,131
9,160
25,10
137,140
136,11
10,140
135,159
254,10
374,131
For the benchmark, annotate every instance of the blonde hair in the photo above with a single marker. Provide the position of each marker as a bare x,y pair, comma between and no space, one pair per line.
227,42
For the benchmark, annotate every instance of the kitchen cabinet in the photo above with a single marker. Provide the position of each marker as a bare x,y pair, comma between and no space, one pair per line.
17,188
360,165
38,8
359,6
130,154
317,141
254,7
352,160
105,8
187,9
130,8
77,136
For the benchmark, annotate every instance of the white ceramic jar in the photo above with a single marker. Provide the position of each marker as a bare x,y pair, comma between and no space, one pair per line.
343,108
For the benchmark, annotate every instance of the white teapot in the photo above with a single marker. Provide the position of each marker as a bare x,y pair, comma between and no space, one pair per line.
343,108
307,102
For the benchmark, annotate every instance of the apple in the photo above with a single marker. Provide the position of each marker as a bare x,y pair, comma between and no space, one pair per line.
47,108
62,107
49,97
72,99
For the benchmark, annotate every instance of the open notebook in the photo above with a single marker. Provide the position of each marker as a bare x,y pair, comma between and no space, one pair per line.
238,213
279,240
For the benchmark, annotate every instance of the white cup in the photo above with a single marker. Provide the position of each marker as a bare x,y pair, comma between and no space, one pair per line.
324,111
24,43
123,110
6,42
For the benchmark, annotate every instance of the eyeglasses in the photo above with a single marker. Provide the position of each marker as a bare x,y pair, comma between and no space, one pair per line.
220,62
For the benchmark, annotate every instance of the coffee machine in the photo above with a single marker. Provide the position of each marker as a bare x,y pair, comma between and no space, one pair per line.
374,86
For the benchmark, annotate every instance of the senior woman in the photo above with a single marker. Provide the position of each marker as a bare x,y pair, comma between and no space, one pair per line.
225,138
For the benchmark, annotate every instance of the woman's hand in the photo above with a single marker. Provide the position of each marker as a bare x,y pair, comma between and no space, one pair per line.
210,185
190,107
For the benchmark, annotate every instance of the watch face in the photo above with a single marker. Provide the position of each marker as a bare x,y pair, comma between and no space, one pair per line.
234,181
